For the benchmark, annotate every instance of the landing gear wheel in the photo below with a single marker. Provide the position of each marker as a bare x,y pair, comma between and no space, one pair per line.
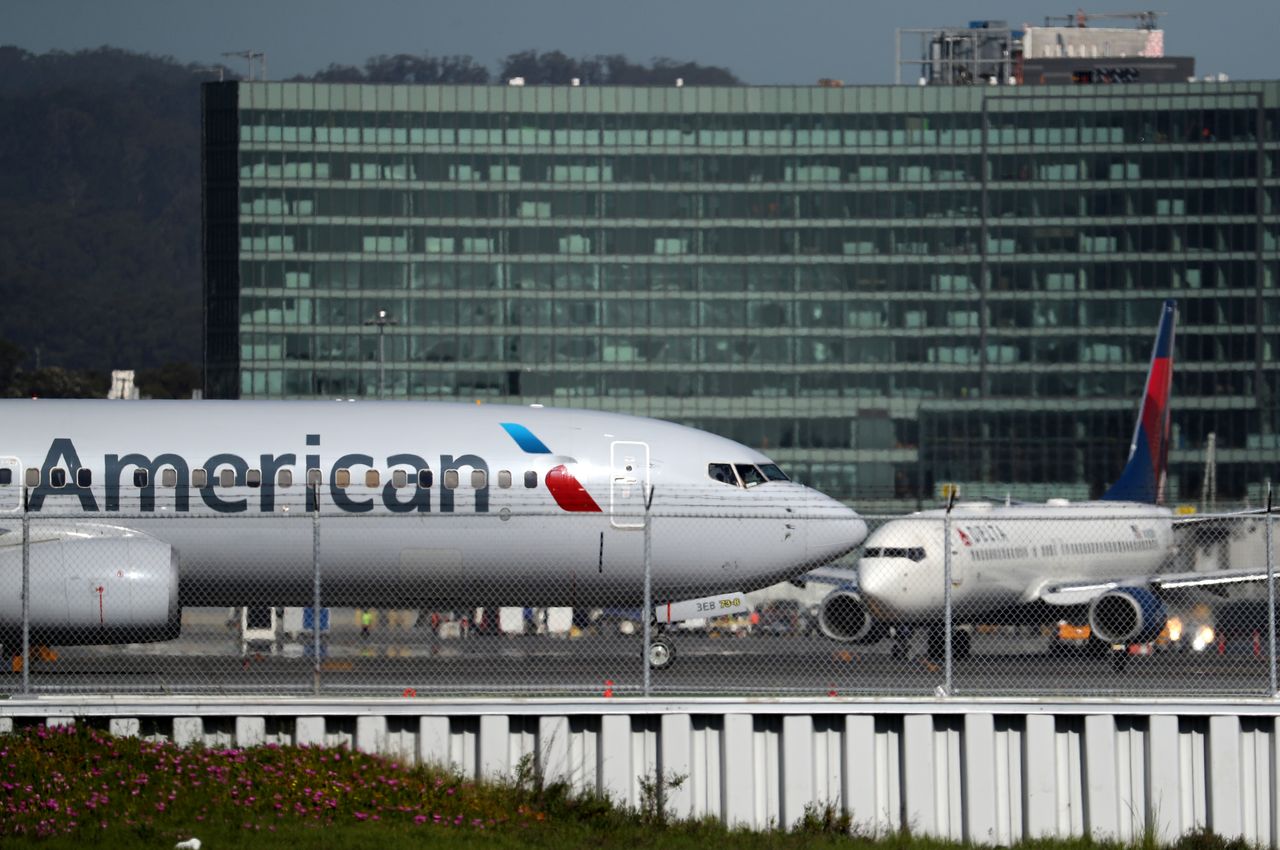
937,647
661,653
901,643
1119,658
960,644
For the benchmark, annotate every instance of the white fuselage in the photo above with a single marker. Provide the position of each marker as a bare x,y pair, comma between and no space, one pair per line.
1006,557
418,502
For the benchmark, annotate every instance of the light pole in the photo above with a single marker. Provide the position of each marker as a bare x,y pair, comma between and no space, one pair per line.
381,320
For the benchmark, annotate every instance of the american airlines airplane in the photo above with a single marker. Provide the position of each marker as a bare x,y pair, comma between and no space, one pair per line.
139,508
1033,563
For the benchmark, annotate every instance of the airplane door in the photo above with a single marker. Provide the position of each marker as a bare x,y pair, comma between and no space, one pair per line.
10,485
628,483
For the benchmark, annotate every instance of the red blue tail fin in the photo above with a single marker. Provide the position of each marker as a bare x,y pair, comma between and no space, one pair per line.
1143,478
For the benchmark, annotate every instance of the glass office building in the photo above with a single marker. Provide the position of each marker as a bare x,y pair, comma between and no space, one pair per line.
884,288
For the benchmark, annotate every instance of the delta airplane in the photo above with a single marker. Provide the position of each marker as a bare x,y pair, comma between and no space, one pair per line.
138,508
1025,563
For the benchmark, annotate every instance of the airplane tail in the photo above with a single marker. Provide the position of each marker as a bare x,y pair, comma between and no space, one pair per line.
1143,478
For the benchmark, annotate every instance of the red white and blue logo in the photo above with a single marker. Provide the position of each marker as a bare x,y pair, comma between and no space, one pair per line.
568,492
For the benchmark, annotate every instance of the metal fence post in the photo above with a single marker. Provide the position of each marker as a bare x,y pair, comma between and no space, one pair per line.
646,615
1271,595
26,596
315,599
946,597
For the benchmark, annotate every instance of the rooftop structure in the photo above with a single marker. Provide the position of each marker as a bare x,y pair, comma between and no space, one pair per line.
992,52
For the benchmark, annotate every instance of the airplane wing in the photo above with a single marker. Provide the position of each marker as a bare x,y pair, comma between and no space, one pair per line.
1202,519
1083,592
834,576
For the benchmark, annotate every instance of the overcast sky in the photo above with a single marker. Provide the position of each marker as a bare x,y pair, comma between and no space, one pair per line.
762,41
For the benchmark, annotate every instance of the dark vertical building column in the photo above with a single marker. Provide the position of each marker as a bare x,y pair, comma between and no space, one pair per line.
220,211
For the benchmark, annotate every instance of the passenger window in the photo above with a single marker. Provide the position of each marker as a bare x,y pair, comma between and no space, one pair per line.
371,479
478,479
314,477
199,478
399,479
451,479
749,474
57,477
723,473
530,479
284,478
33,477
84,477
504,478
425,478
227,478
139,478
253,478
169,477
342,478
6,477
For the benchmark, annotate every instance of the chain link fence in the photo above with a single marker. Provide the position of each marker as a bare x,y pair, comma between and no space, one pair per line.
982,601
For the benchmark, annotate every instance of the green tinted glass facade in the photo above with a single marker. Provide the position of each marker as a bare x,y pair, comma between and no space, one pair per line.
884,288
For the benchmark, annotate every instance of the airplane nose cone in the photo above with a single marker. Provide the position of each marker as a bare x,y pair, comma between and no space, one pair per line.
876,583
835,531
895,588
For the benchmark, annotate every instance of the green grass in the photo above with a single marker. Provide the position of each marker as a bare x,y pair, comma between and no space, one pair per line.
79,787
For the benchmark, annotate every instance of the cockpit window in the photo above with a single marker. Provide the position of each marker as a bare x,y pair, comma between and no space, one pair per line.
744,474
723,473
773,473
915,553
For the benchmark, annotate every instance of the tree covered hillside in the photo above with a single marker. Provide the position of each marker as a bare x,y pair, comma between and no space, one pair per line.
100,208
100,197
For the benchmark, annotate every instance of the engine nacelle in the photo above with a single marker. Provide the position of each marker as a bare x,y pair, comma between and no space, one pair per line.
1127,615
99,589
844,616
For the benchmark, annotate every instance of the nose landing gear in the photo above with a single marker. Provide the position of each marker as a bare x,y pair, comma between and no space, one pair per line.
938,644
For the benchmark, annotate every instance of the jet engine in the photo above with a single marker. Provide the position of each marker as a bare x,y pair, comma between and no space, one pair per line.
843,616
91,588
1127,615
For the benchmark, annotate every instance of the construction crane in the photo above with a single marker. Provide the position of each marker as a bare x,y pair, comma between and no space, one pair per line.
1146,20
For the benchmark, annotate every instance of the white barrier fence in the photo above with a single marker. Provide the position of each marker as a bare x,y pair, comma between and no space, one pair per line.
989,772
